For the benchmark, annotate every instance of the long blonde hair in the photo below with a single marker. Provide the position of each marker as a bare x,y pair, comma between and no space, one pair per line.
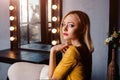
84,24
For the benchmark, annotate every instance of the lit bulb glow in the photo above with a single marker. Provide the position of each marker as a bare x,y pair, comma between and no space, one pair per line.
49,24
12,28
11,7
54,18
54,42
54,7
12,18
12,38
54,30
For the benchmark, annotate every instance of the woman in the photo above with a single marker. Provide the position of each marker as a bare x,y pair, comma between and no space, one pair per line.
77,51
77,48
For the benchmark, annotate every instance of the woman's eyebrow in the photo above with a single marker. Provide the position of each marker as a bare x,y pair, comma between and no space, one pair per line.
69,22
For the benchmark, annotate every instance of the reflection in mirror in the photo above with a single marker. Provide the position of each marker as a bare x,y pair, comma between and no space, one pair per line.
30,23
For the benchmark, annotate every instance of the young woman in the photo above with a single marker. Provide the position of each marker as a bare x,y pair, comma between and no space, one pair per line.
76,46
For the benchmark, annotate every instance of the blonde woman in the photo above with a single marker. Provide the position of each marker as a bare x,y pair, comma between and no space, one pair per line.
77,47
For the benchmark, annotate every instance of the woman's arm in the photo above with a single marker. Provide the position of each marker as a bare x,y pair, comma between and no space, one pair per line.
52,62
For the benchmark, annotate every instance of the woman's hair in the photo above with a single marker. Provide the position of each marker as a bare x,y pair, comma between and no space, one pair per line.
84,26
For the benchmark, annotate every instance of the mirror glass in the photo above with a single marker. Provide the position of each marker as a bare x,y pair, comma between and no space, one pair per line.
30,23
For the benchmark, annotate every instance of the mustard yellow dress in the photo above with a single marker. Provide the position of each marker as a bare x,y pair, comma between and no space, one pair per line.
75,64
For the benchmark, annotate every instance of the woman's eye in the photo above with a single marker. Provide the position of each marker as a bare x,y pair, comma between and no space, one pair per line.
71,25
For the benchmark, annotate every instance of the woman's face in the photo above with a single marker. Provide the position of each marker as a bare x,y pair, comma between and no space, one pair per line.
70,28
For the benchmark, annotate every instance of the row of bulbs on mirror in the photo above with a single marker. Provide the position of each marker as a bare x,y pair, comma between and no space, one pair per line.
54,30
12,18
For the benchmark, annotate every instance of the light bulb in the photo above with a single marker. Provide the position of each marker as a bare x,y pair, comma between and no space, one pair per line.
49,24
12,38
54,42
12,18
54,30
54,7
54,18
11,7
12,28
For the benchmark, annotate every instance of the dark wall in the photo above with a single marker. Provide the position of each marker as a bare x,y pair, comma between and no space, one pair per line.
119,29
115,23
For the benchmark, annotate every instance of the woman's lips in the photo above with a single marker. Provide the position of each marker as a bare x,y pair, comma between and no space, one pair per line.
65,34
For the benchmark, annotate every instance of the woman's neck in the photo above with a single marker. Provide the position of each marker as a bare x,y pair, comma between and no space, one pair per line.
76,43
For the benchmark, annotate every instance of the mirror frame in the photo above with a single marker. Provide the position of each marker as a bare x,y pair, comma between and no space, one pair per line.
46,37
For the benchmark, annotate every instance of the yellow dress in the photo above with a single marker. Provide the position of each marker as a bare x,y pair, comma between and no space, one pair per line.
75,65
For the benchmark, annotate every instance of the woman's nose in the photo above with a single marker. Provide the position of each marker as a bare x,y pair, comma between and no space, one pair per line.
65,28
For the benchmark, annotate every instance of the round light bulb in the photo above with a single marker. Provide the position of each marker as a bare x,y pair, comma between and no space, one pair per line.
11,7
54,18
54,30
12,18
12,38
12,28
54,7
54,42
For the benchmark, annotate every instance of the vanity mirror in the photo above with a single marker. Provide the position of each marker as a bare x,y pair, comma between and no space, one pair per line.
34,24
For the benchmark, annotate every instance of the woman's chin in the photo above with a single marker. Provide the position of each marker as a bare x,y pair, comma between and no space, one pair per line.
65,38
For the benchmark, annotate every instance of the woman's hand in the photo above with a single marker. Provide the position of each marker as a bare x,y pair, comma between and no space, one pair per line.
60,47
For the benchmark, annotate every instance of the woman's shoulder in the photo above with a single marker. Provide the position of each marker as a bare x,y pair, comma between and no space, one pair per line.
72,48
75,48
78,49
73,51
